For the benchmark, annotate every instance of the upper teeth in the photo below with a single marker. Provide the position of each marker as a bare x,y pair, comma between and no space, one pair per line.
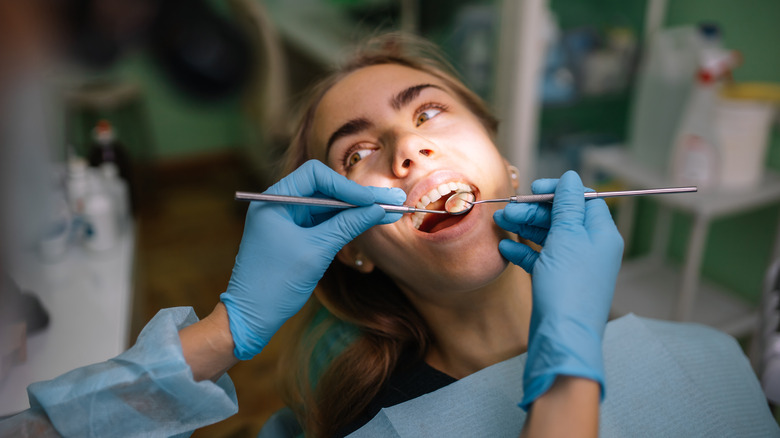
436,194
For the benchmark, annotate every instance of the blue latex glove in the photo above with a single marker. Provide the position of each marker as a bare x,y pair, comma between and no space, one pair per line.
286,249
573,279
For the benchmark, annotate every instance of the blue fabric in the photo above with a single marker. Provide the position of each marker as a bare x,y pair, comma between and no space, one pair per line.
662,378
147,391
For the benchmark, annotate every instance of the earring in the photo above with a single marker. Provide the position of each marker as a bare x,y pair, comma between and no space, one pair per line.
358,262
514,172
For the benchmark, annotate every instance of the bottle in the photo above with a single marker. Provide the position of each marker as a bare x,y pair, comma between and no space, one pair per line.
76,183
106,148
665,79
117,190
696,158
99,216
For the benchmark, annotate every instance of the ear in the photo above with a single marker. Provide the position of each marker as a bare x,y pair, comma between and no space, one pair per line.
514,174
351,256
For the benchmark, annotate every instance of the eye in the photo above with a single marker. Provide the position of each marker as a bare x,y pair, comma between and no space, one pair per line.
428,112
355,155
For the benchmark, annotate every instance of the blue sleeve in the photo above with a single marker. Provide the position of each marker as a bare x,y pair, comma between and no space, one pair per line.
146,391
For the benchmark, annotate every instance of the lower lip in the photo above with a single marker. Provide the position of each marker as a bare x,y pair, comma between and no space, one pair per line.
468,222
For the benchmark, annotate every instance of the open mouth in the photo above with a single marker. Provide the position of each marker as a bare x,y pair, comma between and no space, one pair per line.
434,200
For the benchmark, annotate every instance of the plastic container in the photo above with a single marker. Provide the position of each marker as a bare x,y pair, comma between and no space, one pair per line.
76,184
117,190
696,159
106,148
744,117
665,78
100,217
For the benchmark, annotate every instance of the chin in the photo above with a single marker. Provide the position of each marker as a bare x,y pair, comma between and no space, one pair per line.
477,275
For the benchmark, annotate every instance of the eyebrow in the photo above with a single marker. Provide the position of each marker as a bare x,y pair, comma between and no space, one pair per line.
403,98
352,127
397,102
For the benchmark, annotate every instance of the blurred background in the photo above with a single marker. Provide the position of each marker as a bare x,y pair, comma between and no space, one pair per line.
127,125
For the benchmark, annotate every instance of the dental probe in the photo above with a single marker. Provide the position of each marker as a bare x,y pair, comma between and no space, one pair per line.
462,202
301,200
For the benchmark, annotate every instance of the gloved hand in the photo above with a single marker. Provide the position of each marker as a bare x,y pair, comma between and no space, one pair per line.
286,249
573,280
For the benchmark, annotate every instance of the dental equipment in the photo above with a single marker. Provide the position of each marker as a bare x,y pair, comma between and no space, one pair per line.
463,202
457,204
301,200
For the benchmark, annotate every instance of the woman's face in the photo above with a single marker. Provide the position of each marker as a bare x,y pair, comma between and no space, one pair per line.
394,126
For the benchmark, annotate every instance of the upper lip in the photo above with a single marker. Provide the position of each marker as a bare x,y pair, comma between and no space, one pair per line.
432,181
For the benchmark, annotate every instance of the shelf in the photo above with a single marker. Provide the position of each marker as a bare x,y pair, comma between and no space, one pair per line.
89,299
710,203
649,287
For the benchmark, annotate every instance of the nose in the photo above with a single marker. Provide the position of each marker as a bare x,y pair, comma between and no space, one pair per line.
411,150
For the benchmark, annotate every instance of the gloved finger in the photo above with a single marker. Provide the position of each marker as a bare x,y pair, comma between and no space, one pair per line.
568,209
345,226
600,225
597,215
535,234
384,195
337,186
325,214
518,253
314,177
388,195
544,185
392,196
537,214
390,218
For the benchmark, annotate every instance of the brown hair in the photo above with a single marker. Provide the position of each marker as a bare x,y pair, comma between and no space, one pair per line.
345,352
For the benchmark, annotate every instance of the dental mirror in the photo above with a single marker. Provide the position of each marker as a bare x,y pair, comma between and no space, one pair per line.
459,203
462,202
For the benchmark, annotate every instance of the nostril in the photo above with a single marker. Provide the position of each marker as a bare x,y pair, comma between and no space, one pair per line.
425,152
407,162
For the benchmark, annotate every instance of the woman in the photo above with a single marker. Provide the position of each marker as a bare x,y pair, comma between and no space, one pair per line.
428,290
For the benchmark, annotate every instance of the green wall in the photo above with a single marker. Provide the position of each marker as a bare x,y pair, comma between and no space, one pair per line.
178,125
165,123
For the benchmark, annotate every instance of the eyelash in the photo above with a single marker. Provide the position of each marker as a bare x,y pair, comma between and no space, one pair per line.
420,110
430,105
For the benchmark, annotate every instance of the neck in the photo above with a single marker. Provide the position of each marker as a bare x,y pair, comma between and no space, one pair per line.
479,328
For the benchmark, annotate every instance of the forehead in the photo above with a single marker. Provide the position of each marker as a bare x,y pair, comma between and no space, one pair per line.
364,93
376,80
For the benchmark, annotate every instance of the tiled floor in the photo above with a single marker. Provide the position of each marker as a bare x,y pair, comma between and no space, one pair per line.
188,236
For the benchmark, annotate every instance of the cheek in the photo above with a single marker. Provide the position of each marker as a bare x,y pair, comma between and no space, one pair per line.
372,172
379,244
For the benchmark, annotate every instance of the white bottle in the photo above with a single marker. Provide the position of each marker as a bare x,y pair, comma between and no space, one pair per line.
664,82
100,216
117,189
696,156
695,160
76,184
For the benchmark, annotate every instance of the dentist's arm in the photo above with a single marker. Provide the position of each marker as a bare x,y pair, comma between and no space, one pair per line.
570,408
573,279
284,252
